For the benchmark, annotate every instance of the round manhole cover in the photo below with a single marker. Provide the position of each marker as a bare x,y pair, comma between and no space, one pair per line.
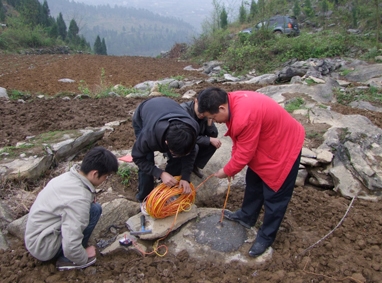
226,237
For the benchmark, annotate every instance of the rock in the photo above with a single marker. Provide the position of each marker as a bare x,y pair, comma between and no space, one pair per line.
160,227
3,93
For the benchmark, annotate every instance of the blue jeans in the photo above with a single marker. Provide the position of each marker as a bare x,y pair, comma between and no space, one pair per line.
94,215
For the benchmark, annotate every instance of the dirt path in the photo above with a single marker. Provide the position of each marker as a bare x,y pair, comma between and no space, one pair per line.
352,253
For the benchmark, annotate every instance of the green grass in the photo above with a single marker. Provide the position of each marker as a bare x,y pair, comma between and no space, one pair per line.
371,94
294,104
17,94
166,90
125,172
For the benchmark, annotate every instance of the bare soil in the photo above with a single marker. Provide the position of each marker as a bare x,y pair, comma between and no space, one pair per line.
351,253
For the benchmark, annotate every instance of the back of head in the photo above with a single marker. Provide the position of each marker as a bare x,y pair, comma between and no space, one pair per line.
180,137
100,159
210,99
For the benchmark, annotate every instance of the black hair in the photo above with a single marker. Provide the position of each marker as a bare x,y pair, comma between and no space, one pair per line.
100,159
180,137
210,99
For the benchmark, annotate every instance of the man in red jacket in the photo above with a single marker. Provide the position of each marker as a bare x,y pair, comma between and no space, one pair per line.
267,139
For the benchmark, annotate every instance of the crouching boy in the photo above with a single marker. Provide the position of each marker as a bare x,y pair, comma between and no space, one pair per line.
65,213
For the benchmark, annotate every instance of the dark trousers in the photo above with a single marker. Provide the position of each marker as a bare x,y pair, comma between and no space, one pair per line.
145,181
94,215
257,194
204,154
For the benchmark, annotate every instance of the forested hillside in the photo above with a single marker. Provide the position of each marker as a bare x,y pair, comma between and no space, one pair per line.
127,31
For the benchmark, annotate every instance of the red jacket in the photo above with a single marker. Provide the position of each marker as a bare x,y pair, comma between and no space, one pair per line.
264,135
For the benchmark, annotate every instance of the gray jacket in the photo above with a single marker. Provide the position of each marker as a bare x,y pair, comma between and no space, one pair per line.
59,216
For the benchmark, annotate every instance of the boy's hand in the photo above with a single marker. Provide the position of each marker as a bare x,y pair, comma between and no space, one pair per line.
91,251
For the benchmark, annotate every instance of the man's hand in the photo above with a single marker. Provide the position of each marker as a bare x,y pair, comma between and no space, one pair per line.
220,174
186,187
168,179
215,142
91,251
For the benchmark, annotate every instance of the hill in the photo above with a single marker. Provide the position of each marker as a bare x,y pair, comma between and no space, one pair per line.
126,30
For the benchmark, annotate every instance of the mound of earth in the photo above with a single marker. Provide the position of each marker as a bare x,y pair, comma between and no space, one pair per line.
351,253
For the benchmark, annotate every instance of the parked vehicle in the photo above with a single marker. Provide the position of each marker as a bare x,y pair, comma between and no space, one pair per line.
278,24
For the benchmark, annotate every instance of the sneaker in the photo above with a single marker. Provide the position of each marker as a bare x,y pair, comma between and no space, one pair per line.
63,264
234,217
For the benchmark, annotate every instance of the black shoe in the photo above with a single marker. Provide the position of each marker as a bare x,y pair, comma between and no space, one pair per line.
257,249
197,172
234,217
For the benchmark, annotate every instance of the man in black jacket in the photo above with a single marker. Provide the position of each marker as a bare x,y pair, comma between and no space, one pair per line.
207,141
161,124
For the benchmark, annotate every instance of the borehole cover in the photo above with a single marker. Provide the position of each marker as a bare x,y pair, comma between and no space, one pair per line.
223,238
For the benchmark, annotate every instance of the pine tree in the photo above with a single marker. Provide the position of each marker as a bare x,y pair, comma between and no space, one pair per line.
261,6
2,11
223,19
253,10
53,30
103,45
98,46
30,12
73,31
61,27
45,15
296,9
242,14
308,10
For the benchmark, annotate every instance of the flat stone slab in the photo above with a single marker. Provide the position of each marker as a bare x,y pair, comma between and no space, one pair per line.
160,227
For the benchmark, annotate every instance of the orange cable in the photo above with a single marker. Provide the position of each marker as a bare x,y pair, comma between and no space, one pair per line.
166,201
225,202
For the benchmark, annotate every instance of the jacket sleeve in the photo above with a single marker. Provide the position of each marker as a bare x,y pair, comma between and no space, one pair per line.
139,153
208,131
188,165
75,219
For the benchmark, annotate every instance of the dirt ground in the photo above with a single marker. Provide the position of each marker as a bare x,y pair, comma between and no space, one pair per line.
351,253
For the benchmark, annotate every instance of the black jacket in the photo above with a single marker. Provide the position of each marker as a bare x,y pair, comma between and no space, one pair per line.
205,131
152,118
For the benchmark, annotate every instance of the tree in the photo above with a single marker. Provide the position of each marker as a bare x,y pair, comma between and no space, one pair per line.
2,11
45,15
324,10
73,31
378,22
253,10
242,14
30,12
61,26
308,10
261,6
103,45
98,46
296,9
223,19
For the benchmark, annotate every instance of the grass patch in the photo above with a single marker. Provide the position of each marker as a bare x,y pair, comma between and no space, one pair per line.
371,94
166,90
294,104
125,172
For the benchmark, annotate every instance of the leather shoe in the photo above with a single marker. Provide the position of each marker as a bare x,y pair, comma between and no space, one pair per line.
257,249
234,217
197,172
